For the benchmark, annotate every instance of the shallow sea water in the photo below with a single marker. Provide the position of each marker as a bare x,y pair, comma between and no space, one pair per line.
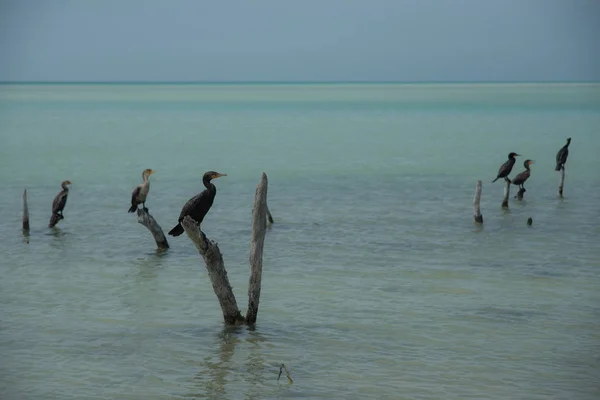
376,282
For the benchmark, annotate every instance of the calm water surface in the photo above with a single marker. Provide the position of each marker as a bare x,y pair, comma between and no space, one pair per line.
376,283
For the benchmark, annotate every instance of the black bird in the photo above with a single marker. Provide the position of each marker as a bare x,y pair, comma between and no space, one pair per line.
198,206
520,179
506,167
58,205
561,156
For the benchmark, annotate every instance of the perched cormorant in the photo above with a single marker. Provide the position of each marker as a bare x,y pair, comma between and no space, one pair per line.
59,203
520,179
198,206
561,156
506,167
139,194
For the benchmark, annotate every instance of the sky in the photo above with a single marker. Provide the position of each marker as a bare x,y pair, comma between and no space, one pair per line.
302,40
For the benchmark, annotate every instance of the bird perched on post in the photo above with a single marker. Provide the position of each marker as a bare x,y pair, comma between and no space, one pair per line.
561,156
139,194
520,179
506,167
58,205
197,207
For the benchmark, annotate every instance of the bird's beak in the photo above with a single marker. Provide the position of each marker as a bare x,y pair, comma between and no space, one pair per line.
218,175
69,183
531,162
151,172
517,154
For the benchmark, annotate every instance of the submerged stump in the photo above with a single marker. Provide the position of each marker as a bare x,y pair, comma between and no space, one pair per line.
144,218
25,213
213,259
561,182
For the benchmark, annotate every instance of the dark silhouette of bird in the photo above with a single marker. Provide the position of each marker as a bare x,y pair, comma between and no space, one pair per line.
58,205
139,194
506,167
198,206
561,156
520,179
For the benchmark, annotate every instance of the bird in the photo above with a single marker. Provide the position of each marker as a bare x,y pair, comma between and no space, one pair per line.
506,167
198,206
561,156
139,194
58,205
520,179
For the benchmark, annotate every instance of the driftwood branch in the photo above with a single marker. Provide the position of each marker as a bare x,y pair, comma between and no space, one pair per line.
476,207
213,259
149,222
506,193
25,212
561,183
259,227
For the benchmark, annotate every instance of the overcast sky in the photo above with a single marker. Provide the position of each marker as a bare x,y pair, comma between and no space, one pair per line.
301,40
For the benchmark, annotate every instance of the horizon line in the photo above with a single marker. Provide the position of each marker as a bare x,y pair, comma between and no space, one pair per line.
291,82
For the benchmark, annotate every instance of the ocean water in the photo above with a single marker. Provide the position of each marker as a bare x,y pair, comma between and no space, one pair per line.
376,282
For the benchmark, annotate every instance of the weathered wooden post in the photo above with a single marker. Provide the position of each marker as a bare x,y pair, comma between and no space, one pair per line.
25,213
209,250
144,218
561,183
476,208
506,193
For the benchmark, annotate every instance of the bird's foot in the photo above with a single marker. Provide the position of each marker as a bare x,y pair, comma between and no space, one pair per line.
145,209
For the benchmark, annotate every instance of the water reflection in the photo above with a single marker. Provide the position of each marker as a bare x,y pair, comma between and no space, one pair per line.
211,382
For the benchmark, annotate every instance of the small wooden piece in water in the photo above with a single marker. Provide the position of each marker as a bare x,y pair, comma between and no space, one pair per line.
561,183
149,222
506,193
25,212
287,373
529,221
476,207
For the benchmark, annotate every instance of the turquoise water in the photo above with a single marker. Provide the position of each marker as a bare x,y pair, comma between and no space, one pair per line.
376,283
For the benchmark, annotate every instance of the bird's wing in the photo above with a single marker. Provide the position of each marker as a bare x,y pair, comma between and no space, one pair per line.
59,202
134,194
191,203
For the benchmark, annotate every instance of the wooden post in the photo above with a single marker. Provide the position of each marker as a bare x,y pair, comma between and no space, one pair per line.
209,250
25,213
561,183
259,227
476,208
149,222
520,193
213,259
506,193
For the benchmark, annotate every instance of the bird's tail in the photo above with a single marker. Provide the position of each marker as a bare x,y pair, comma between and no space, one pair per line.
495,180
133,208
177,230
557,168
54,220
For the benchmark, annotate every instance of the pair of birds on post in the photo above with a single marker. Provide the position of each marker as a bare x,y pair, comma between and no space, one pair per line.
519,180
197,207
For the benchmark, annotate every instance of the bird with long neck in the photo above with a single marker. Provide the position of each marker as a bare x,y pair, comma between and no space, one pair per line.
520,179
561,156
140,193
506,167
58,205
197,207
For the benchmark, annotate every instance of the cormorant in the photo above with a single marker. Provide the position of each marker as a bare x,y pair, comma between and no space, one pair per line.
59,203
506,167
520,179
561,156
139,194
198,206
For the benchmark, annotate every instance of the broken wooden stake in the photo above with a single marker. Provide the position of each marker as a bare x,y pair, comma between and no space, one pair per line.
506,193
144,218
476,208
25,212
561,183
209,250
